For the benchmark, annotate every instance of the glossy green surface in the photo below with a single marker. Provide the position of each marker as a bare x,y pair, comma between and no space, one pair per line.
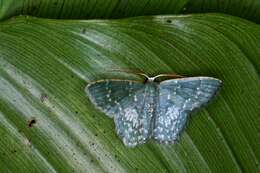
46,64
89,9
248,9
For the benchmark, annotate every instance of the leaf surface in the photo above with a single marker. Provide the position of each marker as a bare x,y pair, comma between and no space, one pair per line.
46,64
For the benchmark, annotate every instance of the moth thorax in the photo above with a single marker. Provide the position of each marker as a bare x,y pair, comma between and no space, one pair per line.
150,79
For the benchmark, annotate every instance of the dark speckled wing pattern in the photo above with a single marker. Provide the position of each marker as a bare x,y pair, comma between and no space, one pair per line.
107,94
134,122
145,110
131,105
177,99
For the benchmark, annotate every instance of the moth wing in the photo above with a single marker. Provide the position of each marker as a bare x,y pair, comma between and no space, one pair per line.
106,95
125,102
177,98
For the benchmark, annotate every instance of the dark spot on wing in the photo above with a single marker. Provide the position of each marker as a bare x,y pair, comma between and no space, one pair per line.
31,123
44,97
117,158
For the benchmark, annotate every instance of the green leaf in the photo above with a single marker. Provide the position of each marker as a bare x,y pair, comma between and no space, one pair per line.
249,9
88,8
78,9
47,123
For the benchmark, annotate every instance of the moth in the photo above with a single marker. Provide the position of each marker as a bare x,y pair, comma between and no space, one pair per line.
151,109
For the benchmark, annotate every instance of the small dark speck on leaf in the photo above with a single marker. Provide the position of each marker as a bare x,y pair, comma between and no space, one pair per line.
92,143
76,112
83,31
169,21
91,160
96,134
55,3
31,123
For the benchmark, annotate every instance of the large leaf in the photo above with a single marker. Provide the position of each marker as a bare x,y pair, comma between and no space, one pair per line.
89,8
47,124
249,9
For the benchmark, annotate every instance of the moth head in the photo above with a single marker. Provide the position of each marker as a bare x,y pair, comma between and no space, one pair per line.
157,78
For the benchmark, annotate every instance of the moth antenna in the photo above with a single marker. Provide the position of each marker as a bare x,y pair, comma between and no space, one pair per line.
131,72
170,75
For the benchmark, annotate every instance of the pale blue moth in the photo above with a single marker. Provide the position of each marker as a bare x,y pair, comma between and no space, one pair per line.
151,109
